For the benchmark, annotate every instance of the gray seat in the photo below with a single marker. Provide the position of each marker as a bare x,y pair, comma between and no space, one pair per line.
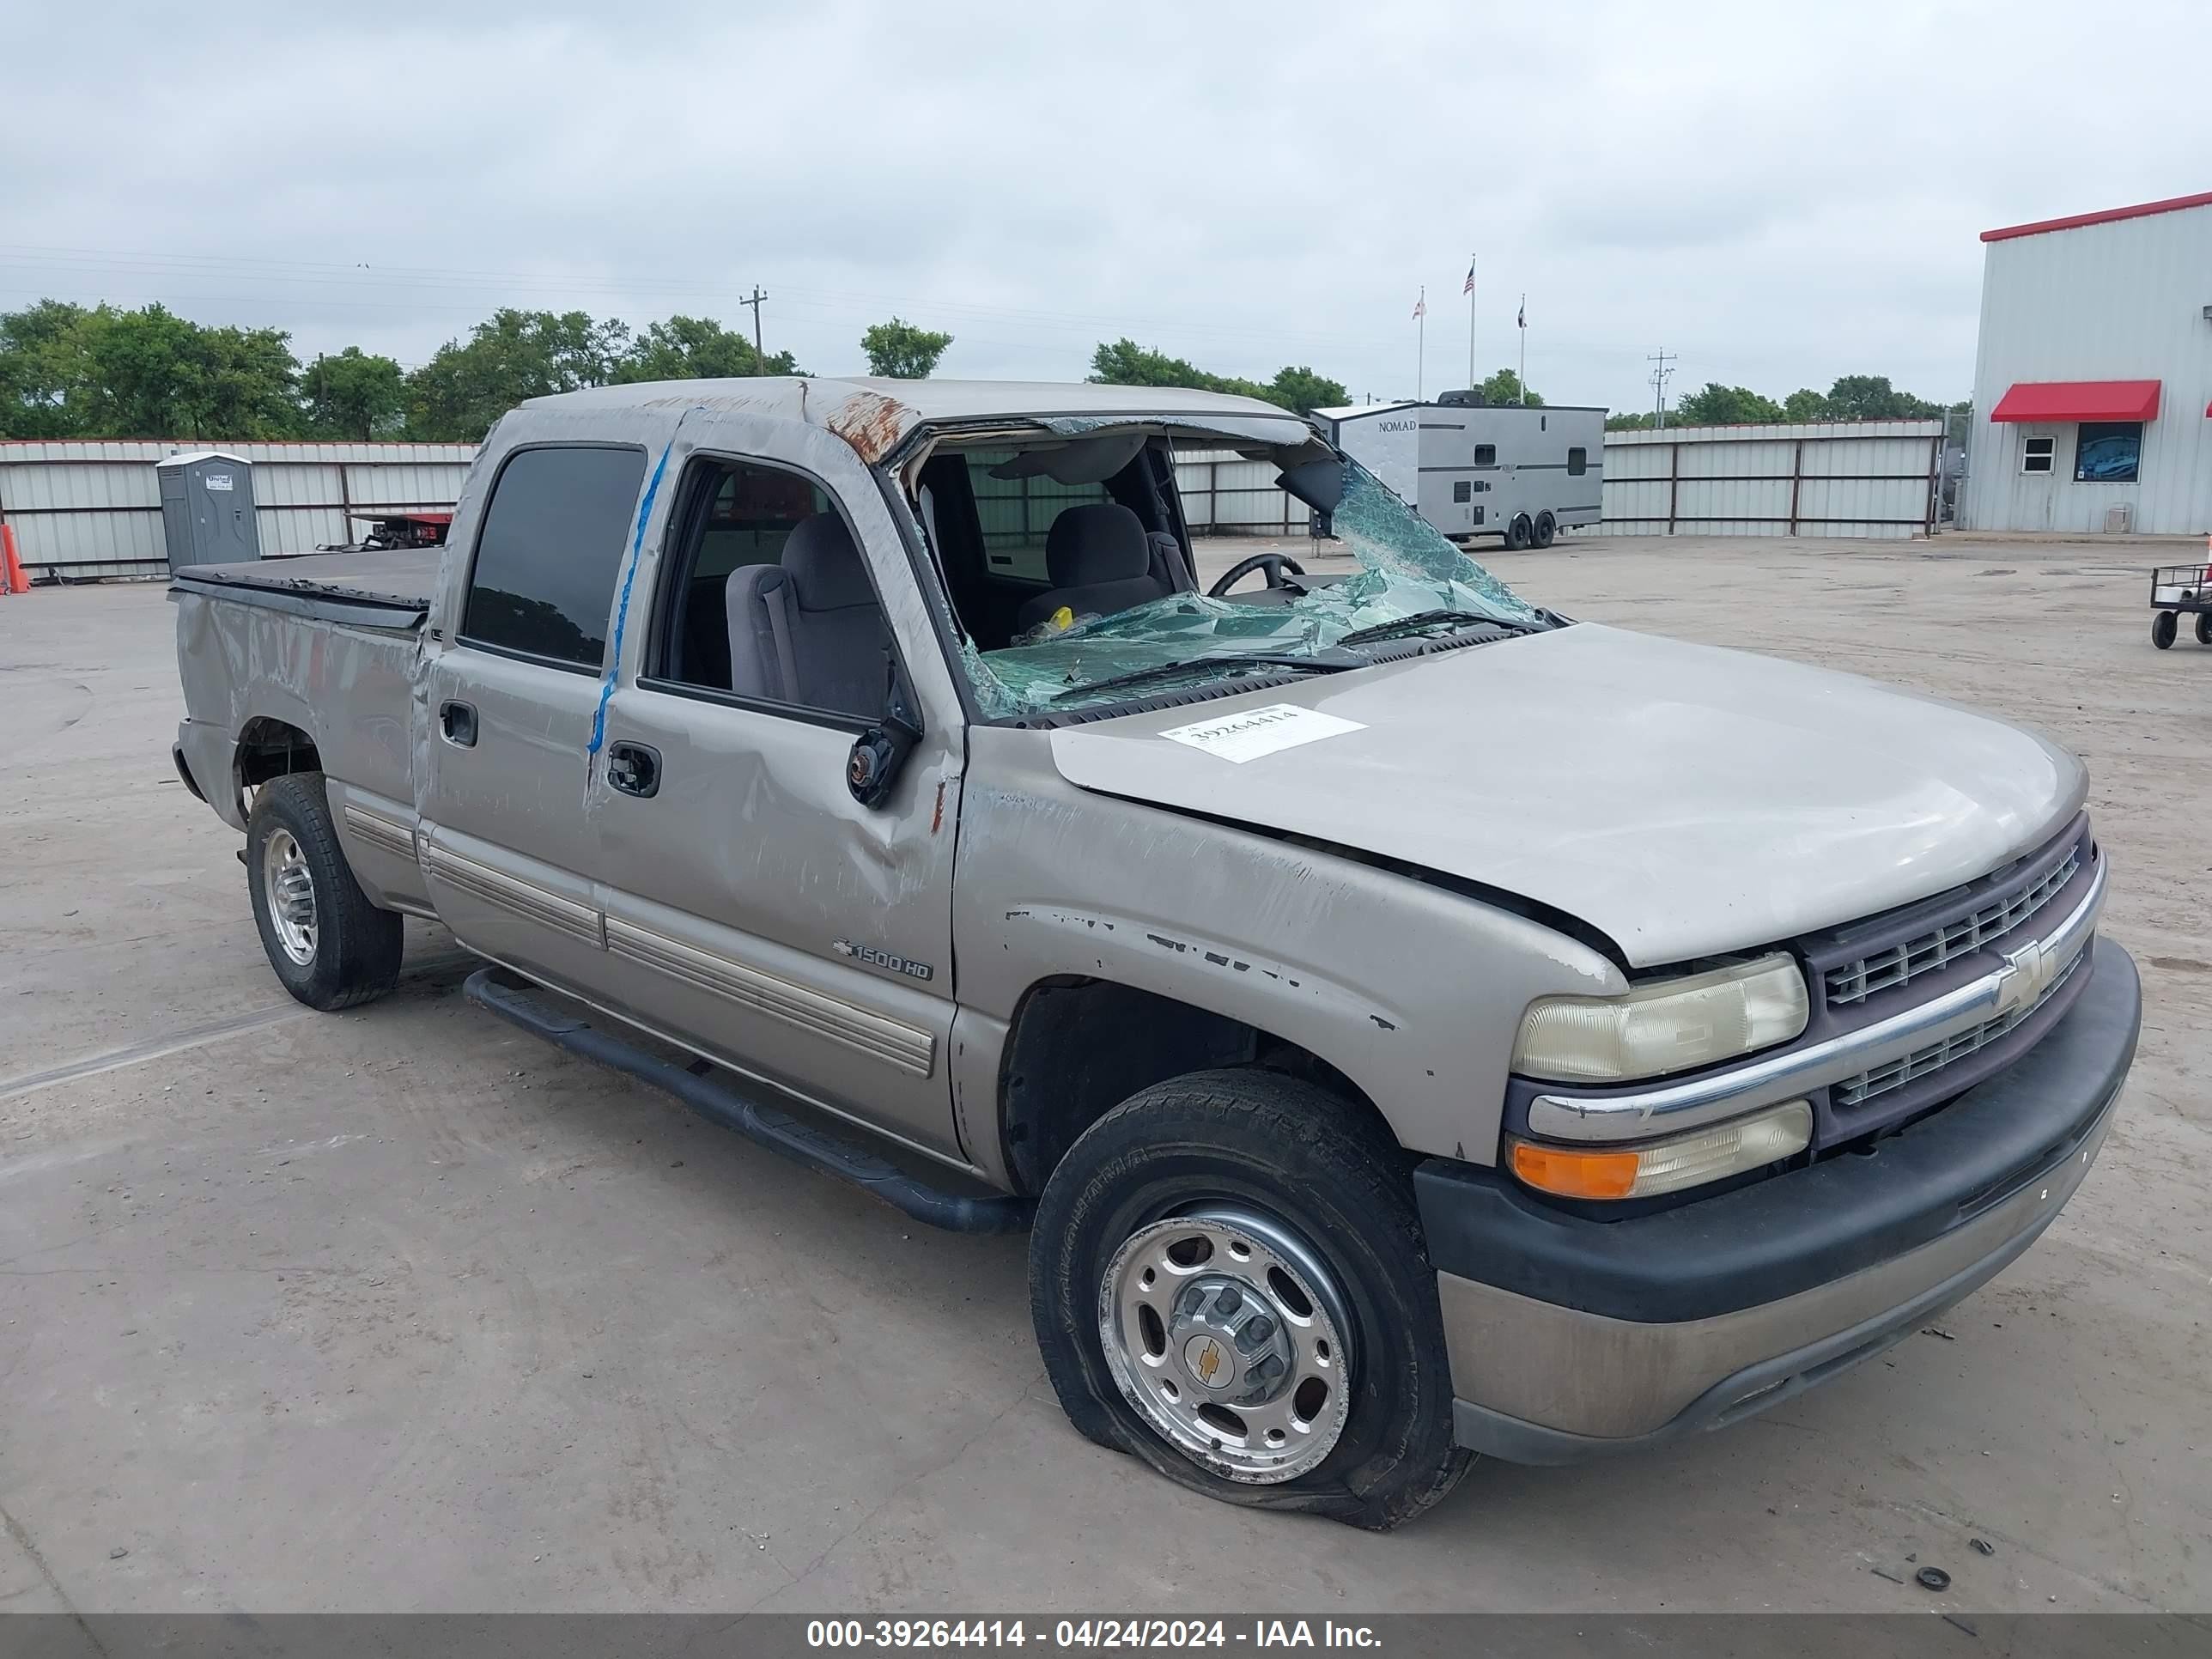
1099,560
810,630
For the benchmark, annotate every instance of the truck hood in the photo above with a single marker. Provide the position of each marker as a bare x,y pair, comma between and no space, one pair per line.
1683,799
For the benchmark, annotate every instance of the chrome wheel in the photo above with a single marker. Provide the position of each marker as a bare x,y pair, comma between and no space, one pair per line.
289,889
1227,1334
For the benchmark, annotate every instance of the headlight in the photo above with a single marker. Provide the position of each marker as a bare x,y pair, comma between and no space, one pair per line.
1675,1026
1664,1166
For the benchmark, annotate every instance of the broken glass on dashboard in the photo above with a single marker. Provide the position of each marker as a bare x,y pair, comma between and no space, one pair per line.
1409,573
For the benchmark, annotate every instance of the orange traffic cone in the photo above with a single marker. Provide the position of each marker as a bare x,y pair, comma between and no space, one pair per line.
12,578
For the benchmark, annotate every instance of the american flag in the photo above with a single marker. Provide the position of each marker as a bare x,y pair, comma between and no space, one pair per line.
1421,306
1468,287
1521,321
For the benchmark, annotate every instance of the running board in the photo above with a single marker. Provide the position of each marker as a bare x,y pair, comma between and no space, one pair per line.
712,1097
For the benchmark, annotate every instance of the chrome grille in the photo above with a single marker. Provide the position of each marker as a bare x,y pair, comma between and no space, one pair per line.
1857,1090
1855,981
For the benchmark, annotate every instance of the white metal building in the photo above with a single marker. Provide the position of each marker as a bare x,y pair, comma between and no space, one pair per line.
2093,384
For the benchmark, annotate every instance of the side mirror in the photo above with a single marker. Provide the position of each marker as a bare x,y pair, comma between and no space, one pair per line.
878,757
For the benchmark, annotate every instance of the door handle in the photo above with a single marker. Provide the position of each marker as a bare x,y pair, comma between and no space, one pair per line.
634,769
458,721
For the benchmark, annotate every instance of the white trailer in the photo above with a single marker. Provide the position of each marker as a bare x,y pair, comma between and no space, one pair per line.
1481,469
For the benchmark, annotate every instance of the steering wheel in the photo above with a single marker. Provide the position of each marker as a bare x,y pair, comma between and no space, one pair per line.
1277,565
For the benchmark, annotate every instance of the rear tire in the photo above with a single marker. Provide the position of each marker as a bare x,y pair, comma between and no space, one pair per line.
1281,1174
2163,627
1546,527
1516,534
328,945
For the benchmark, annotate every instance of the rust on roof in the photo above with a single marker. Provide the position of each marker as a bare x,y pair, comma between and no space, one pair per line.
872,422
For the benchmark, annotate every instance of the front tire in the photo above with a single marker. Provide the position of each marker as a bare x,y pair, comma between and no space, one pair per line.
329,946
1227,1279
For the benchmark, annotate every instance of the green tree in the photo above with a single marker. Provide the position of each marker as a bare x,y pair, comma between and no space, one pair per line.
1871,397
1504,387
902,351
353,395
1641,419
512,356
1124,362
696,348
1714,404
42,385
1805,405
1127,363
1303,390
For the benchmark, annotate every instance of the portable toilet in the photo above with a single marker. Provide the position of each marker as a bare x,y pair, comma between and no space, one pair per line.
207,508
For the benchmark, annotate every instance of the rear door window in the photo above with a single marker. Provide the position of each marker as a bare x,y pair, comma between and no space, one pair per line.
543,585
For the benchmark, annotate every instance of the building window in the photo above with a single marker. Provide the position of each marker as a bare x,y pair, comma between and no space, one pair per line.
1578,462
2108,452
2035,453
1485,454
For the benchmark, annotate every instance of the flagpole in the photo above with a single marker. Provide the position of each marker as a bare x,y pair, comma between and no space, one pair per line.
1524,351
1420,342
1471,380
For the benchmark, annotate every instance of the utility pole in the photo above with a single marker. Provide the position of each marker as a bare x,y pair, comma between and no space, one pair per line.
1658,377
760,356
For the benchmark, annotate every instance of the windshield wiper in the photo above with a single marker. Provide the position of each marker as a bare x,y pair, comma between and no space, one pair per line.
1425,619
1321,663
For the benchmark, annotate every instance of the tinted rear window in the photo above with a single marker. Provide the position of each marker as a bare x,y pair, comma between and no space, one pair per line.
546,558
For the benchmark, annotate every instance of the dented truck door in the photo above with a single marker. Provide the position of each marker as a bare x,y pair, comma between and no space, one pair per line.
755,909
506,707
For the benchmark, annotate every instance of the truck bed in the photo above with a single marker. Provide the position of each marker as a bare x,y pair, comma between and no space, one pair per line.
389,588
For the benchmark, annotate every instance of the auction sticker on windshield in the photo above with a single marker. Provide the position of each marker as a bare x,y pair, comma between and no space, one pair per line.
1256,732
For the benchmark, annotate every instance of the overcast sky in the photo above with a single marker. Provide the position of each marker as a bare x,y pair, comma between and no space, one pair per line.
1779,192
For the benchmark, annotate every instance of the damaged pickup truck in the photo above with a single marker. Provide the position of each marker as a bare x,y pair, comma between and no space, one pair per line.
1413,1025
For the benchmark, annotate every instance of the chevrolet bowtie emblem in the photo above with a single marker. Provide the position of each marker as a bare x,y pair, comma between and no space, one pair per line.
2028,973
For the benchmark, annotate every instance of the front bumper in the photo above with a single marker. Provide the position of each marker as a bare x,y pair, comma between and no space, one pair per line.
1569,1337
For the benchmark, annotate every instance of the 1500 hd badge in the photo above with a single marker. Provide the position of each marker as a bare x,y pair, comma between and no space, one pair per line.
884,959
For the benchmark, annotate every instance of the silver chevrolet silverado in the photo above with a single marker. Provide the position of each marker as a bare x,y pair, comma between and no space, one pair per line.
1410,1023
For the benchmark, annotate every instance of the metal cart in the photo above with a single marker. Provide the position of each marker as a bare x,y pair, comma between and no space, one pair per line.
2175,588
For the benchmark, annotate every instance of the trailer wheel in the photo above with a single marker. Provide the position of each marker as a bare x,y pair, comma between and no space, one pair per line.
2204,627
1518,533
1546,527
329,946
1228,1282
2163,628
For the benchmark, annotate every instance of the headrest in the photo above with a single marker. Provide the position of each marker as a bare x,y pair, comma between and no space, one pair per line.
824,567
1098,541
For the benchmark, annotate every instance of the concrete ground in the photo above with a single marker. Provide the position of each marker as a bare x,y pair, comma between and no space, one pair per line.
399,1309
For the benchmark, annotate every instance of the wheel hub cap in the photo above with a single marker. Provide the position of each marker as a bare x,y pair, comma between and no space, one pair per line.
290,892
1226,1332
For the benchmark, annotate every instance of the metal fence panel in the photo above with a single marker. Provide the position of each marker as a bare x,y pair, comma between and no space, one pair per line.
85,508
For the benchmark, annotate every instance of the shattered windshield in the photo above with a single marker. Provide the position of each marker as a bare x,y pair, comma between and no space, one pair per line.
1408,574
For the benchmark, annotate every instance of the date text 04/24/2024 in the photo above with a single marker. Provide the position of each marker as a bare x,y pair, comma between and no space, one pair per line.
1086,1633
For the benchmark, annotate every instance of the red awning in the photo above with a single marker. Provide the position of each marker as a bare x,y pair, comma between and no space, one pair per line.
2079,400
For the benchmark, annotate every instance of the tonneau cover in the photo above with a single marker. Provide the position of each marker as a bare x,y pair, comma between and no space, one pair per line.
387,588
